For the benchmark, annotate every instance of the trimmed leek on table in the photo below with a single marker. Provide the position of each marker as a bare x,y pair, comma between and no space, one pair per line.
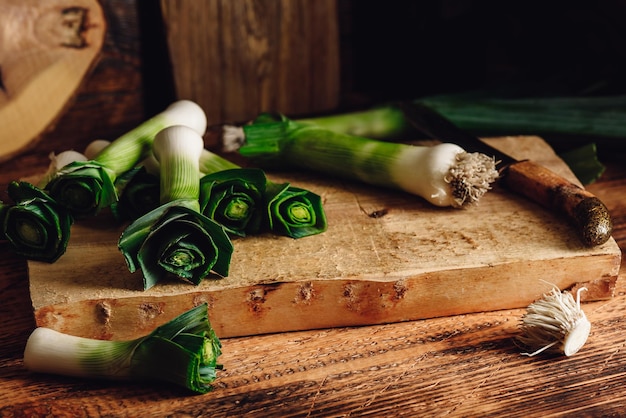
565,122
85,187
444,174
184,352
35,225
175,238
138,193
234,198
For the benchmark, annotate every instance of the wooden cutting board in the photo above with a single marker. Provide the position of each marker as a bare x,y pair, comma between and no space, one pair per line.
386,257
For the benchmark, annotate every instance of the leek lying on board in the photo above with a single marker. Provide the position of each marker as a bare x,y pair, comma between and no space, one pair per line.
580,119
175,238
35,225
444,175
85,187
184,352
138,193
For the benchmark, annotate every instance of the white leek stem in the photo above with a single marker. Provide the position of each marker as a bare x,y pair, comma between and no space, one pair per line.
177,150
94,147
444,174
129,149
58,161
49,351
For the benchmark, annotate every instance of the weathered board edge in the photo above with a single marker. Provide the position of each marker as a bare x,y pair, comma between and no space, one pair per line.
315,304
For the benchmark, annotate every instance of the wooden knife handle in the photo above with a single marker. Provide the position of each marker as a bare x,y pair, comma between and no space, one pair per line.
585,211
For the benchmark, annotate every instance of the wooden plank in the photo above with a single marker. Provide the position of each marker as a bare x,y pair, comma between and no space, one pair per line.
239,58
416,261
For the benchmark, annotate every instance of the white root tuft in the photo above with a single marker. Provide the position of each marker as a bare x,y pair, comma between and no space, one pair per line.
471,177
233,138
555,322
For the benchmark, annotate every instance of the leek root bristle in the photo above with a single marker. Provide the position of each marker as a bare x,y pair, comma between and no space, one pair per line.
471,177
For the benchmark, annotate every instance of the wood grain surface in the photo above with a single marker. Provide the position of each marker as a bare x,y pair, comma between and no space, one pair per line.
240,58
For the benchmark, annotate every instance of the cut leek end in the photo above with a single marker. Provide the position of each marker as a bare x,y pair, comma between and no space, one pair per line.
555,322
577,337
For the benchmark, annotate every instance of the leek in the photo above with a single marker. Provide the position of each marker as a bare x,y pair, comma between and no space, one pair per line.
85,187
583,161
561,121
585,116
380,122
287,210
294,212
175,238
183,352
234,198
35,225
444,175
138,193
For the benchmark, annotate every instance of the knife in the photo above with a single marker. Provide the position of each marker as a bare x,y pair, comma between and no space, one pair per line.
581,208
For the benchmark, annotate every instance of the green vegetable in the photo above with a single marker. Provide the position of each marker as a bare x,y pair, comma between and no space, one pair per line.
138,193
183,351
382,122
585,116
176,238
561,121
444,174
85,187
294,212
285,210
35,225
234,198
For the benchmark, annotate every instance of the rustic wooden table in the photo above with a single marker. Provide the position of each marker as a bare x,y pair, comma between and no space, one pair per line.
464,365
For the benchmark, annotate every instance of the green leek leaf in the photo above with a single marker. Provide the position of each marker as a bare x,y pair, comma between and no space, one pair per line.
234,199
287,210
294,212
84,187
174,239
37,227
584,163
138,193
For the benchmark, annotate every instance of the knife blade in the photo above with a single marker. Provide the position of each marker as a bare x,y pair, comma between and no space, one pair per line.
581,208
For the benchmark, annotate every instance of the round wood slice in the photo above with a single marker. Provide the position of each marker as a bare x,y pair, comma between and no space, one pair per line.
46,50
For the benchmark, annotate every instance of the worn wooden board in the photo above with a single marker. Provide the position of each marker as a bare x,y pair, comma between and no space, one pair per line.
386,257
